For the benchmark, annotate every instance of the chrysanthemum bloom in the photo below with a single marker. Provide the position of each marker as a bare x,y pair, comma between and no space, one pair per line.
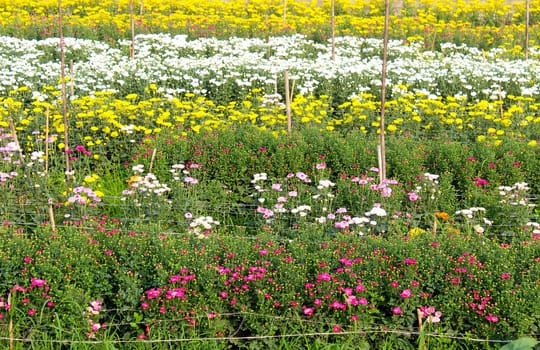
442,215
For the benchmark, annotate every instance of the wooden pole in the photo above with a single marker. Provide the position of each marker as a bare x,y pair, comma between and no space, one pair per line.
64,97
132,25
14,137
71,80
284,14
527,20
10,325
47,113
333,23
382,170
288,102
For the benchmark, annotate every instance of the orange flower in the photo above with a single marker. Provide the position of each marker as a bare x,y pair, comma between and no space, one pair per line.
442,215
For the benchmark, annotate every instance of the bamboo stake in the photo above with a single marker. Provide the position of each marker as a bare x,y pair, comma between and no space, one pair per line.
64,97
284,14
288,102
51,211
132,24
47,139
51,217
14,137
527,20
333,24
10,326
71,80
382,170
152,160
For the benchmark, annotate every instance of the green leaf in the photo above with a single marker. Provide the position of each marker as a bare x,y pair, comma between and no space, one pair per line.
524,343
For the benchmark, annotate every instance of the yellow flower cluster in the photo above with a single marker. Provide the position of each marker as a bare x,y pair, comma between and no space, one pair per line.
97,120
484,21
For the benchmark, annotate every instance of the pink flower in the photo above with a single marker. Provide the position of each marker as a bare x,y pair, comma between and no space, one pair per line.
492,318
31,312
413,196
480,182
145,306
336,329
397,311
406,294
505,276
38,282
324,277
308,311
409,261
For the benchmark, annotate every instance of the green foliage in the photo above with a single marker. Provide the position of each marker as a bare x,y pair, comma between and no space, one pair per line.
524,343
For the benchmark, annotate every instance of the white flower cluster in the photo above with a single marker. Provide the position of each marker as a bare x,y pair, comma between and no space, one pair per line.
202,225
516,194
469,213
179,65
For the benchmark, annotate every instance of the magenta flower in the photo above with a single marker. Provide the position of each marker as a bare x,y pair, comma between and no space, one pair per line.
308,311
324,277
409,261
397,311
492,318
505,276
36,282
406,294
480,182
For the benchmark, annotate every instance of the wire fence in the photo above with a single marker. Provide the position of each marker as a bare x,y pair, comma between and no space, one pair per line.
113,214
360,332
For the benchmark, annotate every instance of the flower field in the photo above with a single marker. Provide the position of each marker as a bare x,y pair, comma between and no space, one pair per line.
157,196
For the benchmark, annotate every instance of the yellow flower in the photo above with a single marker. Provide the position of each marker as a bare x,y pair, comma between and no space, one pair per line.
416,231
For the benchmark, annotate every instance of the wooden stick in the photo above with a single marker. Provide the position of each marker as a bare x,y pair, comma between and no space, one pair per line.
47,112
64,97
132,24
284,14
333,24
71,80
382,170
288,102
527,20
152,160
10,326
51,217
14,137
